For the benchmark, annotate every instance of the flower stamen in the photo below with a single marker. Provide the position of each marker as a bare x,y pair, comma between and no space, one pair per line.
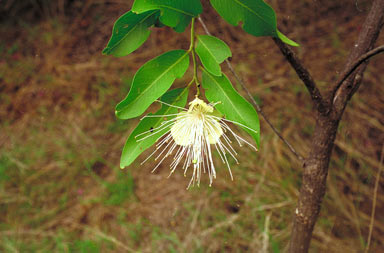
193,133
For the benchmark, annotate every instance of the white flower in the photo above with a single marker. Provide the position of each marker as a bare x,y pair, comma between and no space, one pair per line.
192,135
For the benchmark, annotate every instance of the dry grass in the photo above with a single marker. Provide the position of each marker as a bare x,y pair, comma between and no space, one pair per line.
60,186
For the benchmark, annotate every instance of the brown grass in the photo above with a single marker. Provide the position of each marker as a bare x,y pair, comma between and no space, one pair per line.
60,186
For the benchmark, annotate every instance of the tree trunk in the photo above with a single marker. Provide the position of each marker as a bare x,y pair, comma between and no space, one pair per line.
316,165
313,185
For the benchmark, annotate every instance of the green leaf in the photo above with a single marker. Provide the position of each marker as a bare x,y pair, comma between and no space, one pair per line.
259,19
174,13
232,104
130,31
212,51
133,148
151,81
182,24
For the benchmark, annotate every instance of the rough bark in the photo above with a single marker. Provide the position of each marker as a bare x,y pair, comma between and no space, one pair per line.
313,184
316,164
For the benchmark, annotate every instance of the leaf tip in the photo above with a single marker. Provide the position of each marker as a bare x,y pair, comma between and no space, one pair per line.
293,43
124,162
105,51
118,115
286,40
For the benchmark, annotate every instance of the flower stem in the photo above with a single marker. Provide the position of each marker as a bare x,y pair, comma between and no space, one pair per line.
193,54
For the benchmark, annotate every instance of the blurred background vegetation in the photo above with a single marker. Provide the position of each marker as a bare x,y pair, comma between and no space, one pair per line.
61,189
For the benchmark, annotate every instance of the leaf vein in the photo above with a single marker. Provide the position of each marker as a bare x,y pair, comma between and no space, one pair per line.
210,52
250,10
145,18
177,10
229,100
157,79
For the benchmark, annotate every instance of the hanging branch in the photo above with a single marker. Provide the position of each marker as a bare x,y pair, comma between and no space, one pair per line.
304,75
369,33
354,66
255,104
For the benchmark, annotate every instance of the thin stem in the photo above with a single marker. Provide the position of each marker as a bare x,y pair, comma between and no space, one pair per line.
193,54
304,75
192,35
355,65
255,104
